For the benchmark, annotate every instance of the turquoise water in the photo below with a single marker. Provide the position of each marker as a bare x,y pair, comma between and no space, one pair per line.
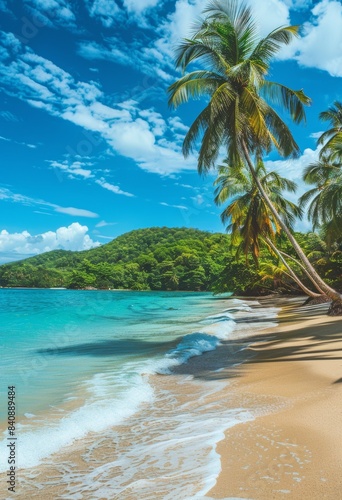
84,365
51,340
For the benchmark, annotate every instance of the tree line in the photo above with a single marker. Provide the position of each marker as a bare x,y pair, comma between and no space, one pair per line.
172,259
230,68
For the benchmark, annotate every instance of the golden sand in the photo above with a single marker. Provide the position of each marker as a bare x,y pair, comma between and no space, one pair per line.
292,381
295,452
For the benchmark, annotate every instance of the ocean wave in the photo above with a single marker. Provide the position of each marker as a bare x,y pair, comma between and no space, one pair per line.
113,397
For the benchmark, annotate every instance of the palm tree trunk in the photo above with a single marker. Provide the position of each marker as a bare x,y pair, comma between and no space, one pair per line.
330,292
303,269
292,274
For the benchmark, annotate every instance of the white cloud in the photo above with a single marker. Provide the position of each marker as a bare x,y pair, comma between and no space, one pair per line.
321,44
129,130
198,199
106,11
293,169
78,212
270,14
140,6
133,54
19,245
110,187
75,169
103,223
6,139
8,116
7,195
50,13
110,50
316,135
181,207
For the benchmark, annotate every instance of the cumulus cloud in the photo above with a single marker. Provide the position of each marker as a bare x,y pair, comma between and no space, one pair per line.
135,133
293,169
321,44
310,50
51,13
142,5
15,246
106,11
8,195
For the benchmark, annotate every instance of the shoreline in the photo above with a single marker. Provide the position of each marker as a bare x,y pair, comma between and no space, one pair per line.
292,452
236,408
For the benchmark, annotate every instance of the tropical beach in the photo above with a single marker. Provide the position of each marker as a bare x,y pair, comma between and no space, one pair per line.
187,342
248,407
291,453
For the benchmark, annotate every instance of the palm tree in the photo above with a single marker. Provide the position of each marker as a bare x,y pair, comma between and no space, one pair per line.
247,213
332,138
278,273
325,208
326,197
239,115
249,219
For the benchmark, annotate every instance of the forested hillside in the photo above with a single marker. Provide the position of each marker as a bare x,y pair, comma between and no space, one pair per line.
159,259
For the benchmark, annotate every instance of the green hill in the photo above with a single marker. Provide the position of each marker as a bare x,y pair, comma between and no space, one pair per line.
162,258
144,259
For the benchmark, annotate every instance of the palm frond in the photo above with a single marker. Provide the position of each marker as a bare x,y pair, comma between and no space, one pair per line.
193,86
292,100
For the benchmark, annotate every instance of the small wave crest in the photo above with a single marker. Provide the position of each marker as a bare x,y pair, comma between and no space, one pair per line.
114,396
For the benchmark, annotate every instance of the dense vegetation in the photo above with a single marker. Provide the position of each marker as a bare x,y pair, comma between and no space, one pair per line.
227,64
165,259
262,252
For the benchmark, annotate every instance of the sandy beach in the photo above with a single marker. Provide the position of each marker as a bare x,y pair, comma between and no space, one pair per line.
283,384
295,451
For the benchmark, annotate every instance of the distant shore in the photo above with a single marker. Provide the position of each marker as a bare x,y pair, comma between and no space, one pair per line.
295,451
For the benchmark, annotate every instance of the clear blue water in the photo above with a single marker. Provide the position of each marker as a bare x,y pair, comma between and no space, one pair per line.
83,363
52,340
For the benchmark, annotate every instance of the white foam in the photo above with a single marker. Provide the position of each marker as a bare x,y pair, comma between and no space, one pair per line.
131,388
93,416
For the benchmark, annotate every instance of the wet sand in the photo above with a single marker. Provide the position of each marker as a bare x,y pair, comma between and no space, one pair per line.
289,377
296,450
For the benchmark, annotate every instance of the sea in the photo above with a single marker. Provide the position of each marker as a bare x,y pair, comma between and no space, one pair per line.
121,394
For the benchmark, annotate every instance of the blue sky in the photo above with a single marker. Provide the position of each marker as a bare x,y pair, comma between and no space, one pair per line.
89,147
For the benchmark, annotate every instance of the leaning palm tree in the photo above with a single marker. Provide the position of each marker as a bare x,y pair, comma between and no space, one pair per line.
239,115
278,274
332,139
247,213
326,197
249,218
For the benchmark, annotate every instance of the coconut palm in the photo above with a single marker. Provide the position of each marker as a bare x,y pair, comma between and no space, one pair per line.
239,115
247,213
326,197
289,271
249,218
332,138
278,274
